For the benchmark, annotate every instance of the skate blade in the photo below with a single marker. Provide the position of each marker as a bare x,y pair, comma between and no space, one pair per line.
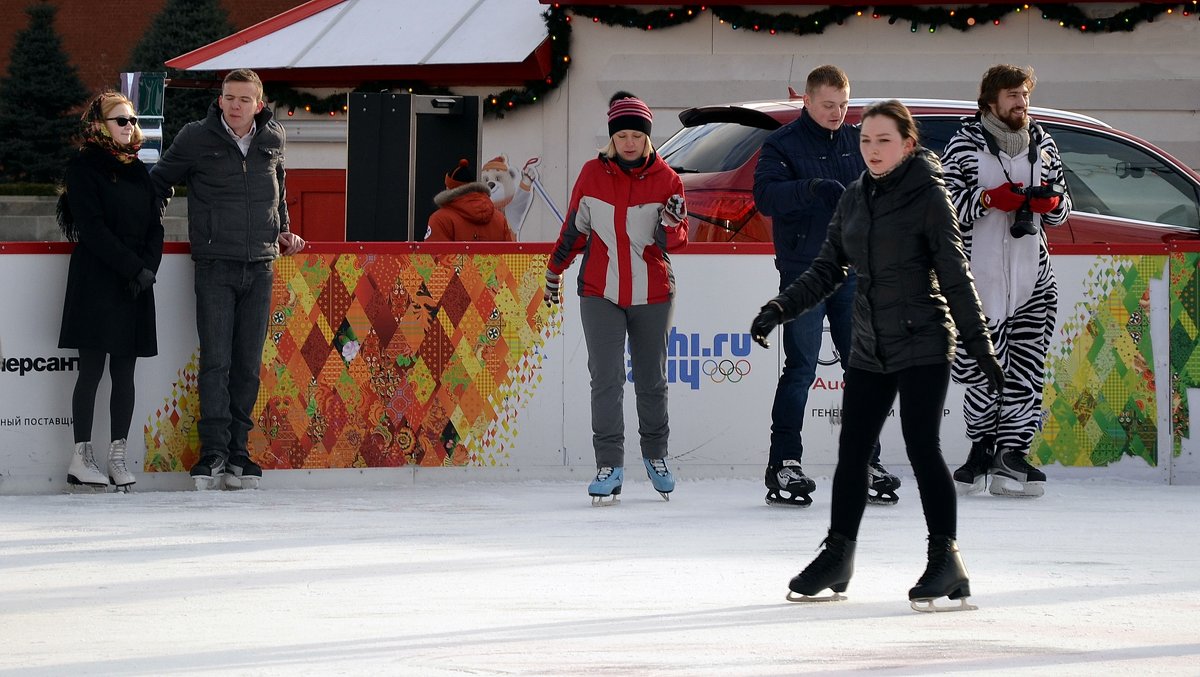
235,483
964,489
666,495
926,606
207,483
605,501
776,499
82,488
809,599
74,482
1010,488
883,499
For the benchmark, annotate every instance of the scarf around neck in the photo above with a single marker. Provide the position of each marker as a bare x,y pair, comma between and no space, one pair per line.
1009,141
95,135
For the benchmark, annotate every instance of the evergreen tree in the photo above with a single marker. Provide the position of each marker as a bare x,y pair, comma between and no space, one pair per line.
39,99
181,26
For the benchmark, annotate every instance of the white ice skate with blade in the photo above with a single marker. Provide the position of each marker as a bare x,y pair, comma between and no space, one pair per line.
83,473
118,474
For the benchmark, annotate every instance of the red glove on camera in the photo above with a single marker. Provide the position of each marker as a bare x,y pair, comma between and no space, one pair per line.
1003,197
1041,205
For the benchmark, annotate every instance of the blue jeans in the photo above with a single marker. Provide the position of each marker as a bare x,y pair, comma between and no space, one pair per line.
801,348
233,303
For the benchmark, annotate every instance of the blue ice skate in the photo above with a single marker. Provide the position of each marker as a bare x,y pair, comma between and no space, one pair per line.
660,476
607,485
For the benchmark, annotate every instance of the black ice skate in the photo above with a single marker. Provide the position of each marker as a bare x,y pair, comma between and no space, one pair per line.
242,473
945,576
787,485
971,477
882,485
831,570
208,471
1012,475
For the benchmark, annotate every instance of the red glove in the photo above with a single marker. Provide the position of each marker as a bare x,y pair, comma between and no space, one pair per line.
1041,205
1003,197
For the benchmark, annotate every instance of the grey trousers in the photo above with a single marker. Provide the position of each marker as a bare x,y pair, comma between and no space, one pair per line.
605,328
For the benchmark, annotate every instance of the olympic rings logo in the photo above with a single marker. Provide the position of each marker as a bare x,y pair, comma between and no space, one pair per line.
725,370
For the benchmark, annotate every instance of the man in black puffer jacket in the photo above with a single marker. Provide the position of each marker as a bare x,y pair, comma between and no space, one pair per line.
232,162
802,171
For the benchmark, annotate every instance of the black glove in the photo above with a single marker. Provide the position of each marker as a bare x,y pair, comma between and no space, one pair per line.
993,373
768,318
828,190
141,282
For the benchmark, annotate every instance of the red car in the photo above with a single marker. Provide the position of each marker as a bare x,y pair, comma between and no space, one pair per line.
1124,189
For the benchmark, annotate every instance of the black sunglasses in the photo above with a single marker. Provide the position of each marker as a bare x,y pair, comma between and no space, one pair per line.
122,120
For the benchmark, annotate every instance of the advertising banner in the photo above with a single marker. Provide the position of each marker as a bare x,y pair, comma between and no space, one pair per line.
416,358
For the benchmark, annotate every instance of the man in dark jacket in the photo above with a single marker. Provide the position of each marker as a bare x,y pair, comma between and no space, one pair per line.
232,162
802,171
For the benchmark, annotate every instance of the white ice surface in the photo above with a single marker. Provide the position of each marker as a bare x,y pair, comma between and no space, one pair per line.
1096,578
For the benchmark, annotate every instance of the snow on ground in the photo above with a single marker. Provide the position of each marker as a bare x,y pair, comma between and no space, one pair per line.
525,578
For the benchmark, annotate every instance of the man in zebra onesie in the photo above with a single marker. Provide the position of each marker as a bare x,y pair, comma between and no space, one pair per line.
990,164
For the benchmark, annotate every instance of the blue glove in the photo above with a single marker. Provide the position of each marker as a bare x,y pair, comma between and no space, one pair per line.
828,190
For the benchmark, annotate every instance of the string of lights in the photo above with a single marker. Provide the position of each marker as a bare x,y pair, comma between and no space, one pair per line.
558,29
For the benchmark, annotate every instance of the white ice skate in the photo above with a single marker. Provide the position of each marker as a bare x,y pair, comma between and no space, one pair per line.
83,473
118,474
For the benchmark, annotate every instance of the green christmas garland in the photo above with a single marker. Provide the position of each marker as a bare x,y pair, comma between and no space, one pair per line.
558,30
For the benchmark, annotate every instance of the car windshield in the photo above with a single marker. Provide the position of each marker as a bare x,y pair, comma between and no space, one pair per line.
712,147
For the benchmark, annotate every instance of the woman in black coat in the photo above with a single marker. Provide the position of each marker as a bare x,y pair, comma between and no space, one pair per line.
896,226
112,213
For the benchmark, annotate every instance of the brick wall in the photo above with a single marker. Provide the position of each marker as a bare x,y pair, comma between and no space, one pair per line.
99,36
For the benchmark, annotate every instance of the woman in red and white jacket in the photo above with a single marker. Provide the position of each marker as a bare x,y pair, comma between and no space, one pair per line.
626,214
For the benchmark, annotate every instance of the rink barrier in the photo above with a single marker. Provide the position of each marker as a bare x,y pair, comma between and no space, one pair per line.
388,362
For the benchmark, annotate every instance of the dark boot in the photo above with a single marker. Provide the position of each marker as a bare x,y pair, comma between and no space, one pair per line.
972,475
945,575
831,569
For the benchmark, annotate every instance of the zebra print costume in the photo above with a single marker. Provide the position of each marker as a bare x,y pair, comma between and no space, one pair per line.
1014,278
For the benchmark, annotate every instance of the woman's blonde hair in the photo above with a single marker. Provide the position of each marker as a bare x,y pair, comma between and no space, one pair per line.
102,107
610,151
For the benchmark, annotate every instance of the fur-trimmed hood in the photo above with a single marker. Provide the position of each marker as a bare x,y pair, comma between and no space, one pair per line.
450,194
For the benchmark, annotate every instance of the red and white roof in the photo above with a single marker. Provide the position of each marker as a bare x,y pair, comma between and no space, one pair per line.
326,40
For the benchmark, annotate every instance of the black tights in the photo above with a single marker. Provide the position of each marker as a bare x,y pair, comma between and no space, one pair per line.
865,404
83,401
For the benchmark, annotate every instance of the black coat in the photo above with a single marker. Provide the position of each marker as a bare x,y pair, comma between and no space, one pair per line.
902,238
793,158
237,205
120,232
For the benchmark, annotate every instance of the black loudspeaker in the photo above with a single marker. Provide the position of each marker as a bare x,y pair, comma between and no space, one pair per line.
399,148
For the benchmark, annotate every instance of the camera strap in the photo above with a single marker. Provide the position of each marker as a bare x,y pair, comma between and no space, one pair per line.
1035,142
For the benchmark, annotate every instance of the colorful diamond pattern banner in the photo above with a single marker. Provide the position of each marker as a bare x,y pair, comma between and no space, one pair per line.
383,361
1185,339
1100,398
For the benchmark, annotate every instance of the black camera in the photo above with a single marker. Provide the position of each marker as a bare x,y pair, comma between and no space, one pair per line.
1023,223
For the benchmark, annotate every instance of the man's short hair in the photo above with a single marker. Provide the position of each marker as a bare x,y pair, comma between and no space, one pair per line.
245,75
1001,77
826,75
